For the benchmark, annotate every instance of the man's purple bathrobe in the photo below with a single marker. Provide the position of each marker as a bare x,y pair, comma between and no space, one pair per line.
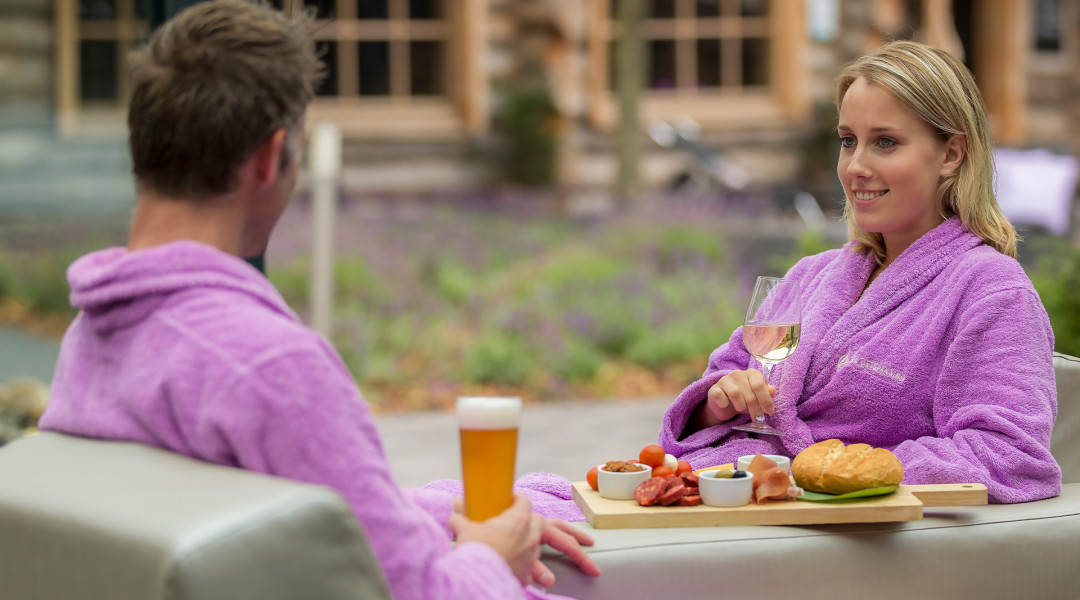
945,359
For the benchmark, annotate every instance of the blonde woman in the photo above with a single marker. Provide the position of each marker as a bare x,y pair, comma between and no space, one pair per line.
922,334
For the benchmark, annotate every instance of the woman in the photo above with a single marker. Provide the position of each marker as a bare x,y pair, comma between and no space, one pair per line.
922,334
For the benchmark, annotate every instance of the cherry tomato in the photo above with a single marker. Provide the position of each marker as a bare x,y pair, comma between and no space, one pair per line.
652,455
684,467
592,478
662,471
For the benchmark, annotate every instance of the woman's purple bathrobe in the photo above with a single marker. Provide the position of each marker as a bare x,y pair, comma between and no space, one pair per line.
946,360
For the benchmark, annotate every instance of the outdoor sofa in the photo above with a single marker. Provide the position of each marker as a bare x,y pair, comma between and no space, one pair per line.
103,520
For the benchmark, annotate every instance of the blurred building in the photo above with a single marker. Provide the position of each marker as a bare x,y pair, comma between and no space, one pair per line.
429,92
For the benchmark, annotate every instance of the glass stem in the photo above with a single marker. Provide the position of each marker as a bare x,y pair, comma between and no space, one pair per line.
766,367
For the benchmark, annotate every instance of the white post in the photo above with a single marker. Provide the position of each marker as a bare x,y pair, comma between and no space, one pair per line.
325,163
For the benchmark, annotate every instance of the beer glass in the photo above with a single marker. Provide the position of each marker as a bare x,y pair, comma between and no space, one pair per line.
489,431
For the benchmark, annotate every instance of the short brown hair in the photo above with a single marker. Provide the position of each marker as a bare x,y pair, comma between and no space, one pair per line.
210,87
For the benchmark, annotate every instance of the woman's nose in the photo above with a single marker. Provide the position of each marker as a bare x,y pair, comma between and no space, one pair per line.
857,165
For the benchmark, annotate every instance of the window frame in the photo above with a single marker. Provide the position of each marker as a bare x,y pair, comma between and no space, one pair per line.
784,101
1054,62
462,112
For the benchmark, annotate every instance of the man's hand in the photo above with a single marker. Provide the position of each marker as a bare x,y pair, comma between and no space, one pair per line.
514,533
569,540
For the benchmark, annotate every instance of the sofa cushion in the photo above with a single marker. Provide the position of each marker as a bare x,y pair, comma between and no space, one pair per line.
1065,441
91,519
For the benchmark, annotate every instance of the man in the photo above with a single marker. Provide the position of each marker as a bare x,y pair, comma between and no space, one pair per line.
182,345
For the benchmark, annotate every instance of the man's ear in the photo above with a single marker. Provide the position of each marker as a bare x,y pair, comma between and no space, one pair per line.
955,150
267,157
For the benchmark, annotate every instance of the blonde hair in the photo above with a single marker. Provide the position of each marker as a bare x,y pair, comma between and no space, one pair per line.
941,91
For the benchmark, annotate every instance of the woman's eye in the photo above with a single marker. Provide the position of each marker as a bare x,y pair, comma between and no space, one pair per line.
847,141
887,142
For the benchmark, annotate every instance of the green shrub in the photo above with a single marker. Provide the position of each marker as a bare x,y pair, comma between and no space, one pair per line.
44,285
451,279
8,277
293,282
811,242
1057,279
525,120
497,358
579,361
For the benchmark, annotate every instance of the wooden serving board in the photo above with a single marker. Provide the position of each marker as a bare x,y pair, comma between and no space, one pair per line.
905,504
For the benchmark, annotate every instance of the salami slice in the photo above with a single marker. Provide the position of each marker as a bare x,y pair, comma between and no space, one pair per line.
690,500
648,492
690,480
673,491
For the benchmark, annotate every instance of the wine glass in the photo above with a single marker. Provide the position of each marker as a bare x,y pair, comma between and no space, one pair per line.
771,331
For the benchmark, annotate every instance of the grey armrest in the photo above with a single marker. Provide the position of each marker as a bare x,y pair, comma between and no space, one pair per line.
102,520
1065,441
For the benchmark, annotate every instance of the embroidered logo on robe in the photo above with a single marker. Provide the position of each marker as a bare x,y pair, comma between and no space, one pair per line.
872,365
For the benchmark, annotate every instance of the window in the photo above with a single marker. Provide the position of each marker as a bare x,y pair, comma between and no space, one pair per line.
93,39
1052,50
1047,25
721,61
396,68
400,68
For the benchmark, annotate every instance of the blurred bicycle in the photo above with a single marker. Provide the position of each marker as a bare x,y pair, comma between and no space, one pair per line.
710,175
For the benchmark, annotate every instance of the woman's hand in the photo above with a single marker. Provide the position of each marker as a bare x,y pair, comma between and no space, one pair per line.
738,392
567,539
514,533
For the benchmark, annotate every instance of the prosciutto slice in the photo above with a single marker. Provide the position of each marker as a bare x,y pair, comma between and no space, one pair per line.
771,483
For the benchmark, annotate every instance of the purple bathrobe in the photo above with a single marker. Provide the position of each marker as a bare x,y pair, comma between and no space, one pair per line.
945,359
189,349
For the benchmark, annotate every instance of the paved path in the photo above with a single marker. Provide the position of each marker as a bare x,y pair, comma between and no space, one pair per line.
26,354
565,438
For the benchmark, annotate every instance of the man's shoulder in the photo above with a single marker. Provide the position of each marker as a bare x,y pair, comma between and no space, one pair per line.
235,324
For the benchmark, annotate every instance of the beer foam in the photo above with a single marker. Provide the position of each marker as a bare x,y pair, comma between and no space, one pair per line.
481,412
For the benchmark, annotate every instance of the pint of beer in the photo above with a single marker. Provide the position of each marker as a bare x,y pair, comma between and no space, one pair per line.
489,428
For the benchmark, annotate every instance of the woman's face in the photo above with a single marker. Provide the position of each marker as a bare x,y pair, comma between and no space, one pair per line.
890,165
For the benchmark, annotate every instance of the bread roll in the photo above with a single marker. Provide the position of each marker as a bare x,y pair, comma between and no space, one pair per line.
831,467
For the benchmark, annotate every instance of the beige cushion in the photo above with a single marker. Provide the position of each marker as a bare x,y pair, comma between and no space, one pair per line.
1000,551
1065,441
110,520
988,552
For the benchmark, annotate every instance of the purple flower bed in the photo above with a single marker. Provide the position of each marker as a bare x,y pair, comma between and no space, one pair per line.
441,296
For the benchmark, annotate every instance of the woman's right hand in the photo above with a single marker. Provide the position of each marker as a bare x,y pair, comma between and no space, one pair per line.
738,392
514,533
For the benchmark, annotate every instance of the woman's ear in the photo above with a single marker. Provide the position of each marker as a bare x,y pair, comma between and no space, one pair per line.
955,149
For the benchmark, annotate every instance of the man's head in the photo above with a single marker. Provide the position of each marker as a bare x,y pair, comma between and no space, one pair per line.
212,85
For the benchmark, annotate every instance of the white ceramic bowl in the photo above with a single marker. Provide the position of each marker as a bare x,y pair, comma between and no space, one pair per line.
727,491
781,461
621,486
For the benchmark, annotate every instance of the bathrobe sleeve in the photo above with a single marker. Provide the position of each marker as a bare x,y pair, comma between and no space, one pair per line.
297,414
995,401
730,356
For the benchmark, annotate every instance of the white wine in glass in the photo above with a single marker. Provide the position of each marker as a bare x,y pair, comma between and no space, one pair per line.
771,332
